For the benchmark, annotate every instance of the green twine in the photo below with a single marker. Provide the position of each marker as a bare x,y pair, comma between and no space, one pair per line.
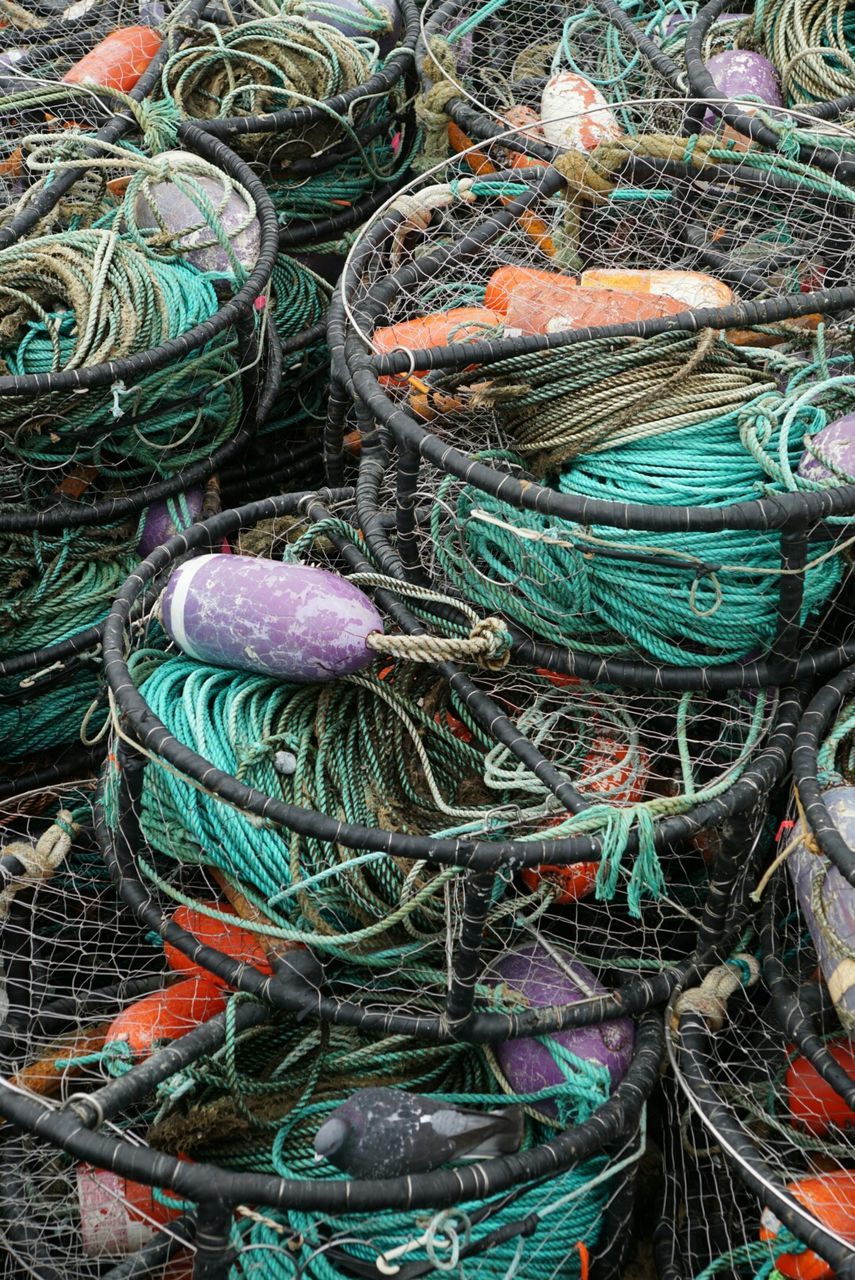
85,297
681,598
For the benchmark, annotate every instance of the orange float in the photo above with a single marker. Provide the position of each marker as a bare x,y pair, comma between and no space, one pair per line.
165,1015
812,1103
830,1199
232,939
117,61
440,329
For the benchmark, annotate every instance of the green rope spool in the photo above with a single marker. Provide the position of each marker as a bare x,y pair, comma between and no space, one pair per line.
812,43
678,598
85,297
57,584
264,65
286,60
368,748
51,719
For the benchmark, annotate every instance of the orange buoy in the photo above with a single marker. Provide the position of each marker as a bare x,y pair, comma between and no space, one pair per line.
538,301
693,288
117,61
607,772
812,1103
830,1199
167,1014
232,939
440,329
563,304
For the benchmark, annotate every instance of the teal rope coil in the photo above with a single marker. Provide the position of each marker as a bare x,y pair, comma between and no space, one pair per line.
58,584
257,1104
84,297
715,601
50,719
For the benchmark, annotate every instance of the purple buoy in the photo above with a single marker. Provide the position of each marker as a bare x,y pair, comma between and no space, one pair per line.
827,902
292,621
159,526
352,18
738,73
537,976
836,443
181,215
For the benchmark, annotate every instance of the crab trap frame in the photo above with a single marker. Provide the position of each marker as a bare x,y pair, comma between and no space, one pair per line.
469,426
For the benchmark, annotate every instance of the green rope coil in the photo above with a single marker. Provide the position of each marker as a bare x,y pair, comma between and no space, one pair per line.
257,1104
681,598
85,297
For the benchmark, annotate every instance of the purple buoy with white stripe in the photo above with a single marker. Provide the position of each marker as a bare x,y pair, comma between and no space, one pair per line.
291,621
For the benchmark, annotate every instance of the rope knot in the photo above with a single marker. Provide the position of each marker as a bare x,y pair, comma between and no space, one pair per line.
39,860
711,997
491,643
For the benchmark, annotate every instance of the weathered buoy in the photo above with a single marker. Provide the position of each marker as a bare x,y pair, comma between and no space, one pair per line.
575,115
439,329
173,204
349,17
831,923
232,939
117,61
740,73
538,301
117,1215
811,1101
692,288
165,1015
834,444
292,621
159,525
541,980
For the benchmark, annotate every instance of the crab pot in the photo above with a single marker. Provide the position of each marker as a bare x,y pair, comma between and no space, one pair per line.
737,1066
542,793
532,68
811,112
326,120
518,441
123,1203
152,416
73,956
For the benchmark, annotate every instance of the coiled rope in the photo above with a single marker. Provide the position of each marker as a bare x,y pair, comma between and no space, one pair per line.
682,598
89,296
